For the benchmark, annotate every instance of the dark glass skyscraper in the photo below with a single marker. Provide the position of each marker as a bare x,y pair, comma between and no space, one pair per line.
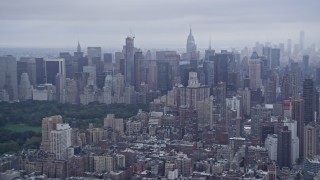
284,147
221,67
164,81
297,114
139,70
40,77
52,67
310,100
305,66
275,58
107,57
129,60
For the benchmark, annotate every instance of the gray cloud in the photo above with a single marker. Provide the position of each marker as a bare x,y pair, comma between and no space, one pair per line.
160,24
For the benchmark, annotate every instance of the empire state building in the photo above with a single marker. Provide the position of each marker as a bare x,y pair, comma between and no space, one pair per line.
191,47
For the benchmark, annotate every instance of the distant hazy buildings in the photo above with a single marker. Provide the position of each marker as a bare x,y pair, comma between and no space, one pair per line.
94,53
8,78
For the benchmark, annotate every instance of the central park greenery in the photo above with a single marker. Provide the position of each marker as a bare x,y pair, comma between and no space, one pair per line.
20,123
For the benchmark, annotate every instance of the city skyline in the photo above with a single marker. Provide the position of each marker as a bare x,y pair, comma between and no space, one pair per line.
209,89
162,24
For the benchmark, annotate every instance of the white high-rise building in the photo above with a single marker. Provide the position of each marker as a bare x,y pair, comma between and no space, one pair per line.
115,123
235,104
118,87
271,144
107,90
60,88
292,126
60,141
255,71
25,87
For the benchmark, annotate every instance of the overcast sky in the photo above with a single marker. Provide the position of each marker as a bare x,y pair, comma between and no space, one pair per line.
156,23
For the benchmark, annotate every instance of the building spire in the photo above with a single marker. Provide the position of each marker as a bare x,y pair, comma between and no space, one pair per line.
210,43
78,47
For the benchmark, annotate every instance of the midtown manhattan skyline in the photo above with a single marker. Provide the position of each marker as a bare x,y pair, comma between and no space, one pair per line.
163,24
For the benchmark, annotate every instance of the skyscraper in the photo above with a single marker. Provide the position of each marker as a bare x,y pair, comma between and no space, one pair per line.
27,65
209,73
284,147
72,91
317,78
107,90
48,124
275,58
94,53
255,71
40,72
139,70
152,75
297,114
305,66
194,92
129,51
310,140
289,47
118,87
295,142
91,70
220,96
271,89
52,67
107,57
60,141
8,78
310,100
191,47
221,67
25,87
285,87
301,41
295,79
163,77
60,88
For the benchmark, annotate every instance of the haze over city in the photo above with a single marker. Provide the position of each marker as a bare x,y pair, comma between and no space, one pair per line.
144,89
156,24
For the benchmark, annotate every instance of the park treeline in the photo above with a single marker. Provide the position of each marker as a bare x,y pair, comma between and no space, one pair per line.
11,141
32,112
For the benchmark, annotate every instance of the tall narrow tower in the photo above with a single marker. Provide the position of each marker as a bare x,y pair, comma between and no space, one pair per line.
297,110
255,71
191,47
301,44
310,97
78,47
129,61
